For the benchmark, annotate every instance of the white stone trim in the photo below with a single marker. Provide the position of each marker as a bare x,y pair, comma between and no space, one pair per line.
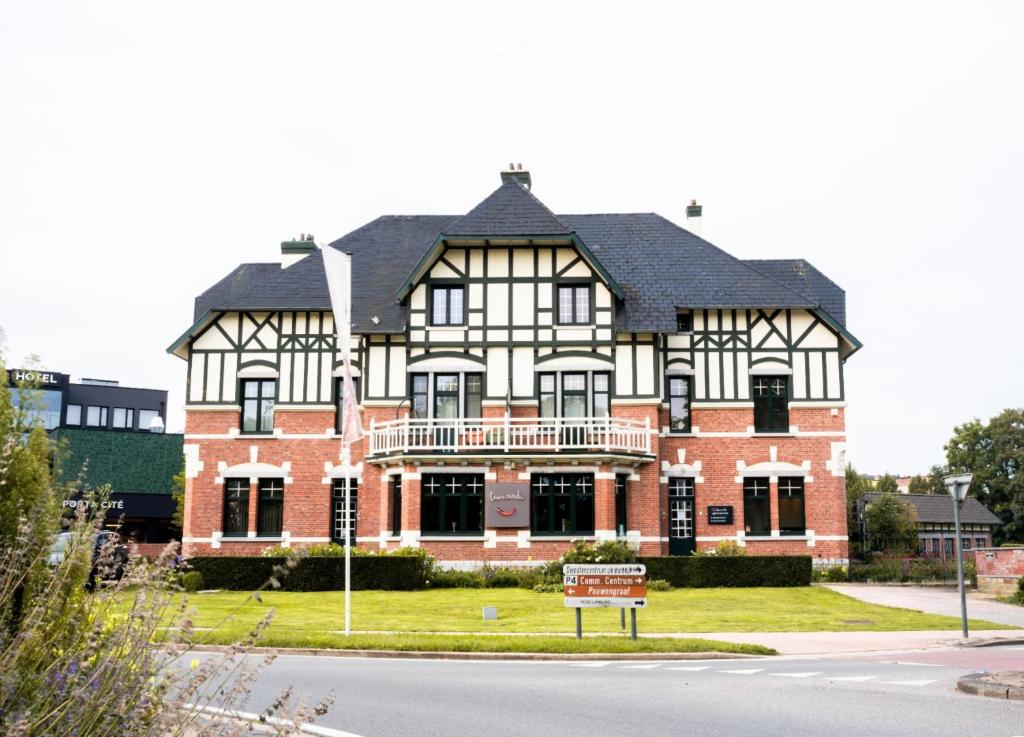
525,475
257,372
409,539
679,370
304,408
312,540
489,475
797,404
253,470
332,472
722,405
212,408
770,368
193,466
523,539
605,534
453,538
626,402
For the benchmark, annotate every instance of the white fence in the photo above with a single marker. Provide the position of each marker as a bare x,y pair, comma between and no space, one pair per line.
510,435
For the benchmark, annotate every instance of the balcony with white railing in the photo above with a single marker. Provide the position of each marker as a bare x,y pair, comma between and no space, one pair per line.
497,436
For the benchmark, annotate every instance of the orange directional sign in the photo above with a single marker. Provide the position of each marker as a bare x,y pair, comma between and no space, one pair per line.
607,585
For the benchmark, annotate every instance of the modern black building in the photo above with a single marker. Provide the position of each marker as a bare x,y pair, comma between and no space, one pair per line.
111,435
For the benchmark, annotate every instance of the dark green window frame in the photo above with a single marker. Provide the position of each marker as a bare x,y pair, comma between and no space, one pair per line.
396,505
270,508
452,504
419,395
621,519
258,397
601,397
771,403
792,509
562,504
576,291
472,395
339,400
757,507
236,508
547,395
441,296
679,401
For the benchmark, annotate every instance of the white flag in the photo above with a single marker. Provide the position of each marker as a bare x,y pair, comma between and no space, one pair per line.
338,270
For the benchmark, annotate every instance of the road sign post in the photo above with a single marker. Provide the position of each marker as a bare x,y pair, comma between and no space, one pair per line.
588,586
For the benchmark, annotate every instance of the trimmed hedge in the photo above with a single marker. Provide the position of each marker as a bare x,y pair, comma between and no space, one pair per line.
709,571
247,573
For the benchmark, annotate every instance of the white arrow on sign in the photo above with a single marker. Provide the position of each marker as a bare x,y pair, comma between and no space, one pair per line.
575,602
598,569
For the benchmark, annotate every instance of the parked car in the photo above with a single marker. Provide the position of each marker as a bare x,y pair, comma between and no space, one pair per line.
109,554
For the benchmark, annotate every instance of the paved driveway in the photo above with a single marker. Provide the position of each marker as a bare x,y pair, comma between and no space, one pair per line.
933,600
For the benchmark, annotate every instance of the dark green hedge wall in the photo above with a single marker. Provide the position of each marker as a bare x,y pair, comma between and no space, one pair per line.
708,571
131,462
310,574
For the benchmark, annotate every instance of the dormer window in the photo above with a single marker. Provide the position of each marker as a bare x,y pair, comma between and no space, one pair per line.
447,305
684,321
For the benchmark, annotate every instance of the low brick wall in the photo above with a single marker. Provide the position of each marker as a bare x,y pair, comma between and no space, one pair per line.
999,569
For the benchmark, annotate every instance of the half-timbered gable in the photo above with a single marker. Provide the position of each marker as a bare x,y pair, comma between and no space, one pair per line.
628,374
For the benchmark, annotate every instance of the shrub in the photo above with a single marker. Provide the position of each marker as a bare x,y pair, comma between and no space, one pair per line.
832,574
192,581
710,571
911,570
442,579
659,584
606,551
724,548
1019,596
241,573
510,578
548,588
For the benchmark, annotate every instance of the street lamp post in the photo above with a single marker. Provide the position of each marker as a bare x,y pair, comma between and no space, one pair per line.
958,485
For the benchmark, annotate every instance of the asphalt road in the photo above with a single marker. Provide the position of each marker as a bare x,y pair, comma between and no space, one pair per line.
906,695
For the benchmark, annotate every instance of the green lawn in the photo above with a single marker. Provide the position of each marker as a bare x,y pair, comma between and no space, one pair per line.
410,642
809,609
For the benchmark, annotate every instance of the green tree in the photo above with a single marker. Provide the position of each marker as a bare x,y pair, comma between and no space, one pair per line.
994,453
891,525
930,483
887,484
178,495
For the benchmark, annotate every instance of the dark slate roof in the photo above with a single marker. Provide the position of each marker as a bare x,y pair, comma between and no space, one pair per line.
662,266
382,251
800,276
511,209
659,266
935,508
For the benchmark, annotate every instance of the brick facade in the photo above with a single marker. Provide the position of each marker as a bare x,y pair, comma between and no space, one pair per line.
999,569
305,454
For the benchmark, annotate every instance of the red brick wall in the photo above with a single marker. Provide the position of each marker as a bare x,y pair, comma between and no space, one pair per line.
999,569
308,500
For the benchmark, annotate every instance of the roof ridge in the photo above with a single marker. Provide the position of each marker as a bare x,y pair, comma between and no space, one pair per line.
536,199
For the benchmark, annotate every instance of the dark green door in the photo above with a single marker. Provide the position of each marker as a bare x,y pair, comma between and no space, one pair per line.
681,537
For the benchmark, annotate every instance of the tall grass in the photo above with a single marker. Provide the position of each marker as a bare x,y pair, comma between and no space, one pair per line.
74,660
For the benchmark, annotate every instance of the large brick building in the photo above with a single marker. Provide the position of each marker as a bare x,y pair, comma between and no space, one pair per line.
526,379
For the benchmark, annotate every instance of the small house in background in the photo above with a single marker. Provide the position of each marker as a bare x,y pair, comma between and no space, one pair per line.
935,527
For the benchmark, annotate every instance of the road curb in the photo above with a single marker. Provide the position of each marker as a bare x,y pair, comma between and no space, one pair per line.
994,642
447,655
991,685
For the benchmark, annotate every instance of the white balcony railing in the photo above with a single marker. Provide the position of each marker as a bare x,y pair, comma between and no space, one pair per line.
496,435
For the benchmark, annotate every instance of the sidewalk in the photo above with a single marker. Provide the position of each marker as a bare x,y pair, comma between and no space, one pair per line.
934,601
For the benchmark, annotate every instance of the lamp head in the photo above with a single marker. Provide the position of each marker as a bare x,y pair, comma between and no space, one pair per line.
958,485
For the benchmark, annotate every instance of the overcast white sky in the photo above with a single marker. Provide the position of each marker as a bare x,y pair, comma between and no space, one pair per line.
146,150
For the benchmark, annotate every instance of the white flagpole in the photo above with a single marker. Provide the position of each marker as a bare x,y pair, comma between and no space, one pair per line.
338,273
346,458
